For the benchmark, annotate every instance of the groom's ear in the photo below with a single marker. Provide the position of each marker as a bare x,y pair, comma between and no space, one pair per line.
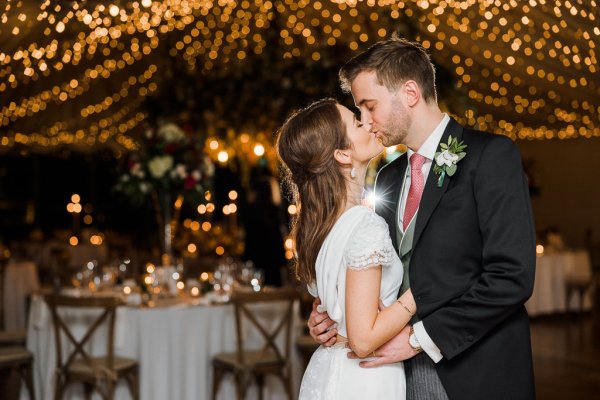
411,92
342,156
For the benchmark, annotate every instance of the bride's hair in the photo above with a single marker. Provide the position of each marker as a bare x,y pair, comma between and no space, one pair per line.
305,145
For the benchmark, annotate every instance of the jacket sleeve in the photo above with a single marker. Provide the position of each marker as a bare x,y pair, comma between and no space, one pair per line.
508,253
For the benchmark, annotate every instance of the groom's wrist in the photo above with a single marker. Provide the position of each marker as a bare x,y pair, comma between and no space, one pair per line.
413,342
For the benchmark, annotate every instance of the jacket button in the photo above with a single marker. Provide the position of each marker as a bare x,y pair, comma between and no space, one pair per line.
470,338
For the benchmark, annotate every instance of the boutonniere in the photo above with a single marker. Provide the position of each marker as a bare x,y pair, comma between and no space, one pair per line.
446,160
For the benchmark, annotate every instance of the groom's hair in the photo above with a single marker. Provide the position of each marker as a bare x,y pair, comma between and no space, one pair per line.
395,61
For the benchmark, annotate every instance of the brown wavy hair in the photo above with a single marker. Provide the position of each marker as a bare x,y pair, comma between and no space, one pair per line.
305,146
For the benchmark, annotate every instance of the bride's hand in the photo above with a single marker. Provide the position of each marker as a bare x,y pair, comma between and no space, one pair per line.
396,350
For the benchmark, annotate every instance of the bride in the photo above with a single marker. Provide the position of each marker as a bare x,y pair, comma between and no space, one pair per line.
344,252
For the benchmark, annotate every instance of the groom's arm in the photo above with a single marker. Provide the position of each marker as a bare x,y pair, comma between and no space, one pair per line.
508,254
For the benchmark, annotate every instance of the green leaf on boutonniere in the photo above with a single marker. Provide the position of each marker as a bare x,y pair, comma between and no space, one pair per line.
451,170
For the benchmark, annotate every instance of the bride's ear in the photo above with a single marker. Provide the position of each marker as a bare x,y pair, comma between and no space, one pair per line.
342,156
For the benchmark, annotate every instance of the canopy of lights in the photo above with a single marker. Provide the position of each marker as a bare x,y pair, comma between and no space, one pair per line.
77,73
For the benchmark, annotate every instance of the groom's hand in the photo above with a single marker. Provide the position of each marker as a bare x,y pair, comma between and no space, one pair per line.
319,326
396,350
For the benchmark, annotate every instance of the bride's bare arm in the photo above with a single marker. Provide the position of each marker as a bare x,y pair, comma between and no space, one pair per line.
367,327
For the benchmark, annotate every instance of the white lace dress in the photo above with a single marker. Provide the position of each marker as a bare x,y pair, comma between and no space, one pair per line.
358,239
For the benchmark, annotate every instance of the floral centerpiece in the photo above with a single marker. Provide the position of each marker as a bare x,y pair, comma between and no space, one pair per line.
169,168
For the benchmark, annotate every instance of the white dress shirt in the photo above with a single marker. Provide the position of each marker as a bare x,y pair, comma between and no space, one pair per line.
427,150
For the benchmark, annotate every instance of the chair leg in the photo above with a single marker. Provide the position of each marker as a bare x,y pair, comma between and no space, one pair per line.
240,385
5,379
260,381
287,384
134,384
567,299
58,388
88,389
581,299
217,375
27,376
110,389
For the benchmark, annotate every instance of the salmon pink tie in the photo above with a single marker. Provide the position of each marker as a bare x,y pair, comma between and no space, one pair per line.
417,184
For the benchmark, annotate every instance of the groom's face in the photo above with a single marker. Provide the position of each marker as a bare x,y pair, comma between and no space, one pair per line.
381,109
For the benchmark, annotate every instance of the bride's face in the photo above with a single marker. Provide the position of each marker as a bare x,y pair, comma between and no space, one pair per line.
364,144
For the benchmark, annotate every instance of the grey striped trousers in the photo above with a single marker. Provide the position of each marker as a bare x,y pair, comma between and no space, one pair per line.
422,381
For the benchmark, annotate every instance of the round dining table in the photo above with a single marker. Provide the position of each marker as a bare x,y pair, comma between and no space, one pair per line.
554,271
173,344
20,281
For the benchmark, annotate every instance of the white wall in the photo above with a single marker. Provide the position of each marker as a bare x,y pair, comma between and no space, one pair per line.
568,173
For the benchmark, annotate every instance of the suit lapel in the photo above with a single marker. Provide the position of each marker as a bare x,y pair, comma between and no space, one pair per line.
432,194
389,195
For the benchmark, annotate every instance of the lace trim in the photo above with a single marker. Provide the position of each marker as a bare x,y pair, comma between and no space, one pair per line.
379,257
371,245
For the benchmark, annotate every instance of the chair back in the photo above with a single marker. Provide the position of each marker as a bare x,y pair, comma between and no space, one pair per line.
281,318
107,307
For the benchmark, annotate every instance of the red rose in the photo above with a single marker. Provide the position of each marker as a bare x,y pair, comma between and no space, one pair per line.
170,148
190,182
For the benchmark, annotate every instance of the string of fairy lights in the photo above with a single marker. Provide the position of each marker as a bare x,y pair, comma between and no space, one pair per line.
529,67
76,73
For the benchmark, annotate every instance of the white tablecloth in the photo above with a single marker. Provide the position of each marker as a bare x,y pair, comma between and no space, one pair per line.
20,281
553,271
173,345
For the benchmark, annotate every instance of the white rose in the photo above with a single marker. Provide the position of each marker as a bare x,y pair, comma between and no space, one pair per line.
180,168
196,175
159,165
125,178
171,133
144,187
447,158
209,168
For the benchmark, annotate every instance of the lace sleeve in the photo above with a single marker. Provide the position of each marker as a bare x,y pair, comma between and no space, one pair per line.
370,244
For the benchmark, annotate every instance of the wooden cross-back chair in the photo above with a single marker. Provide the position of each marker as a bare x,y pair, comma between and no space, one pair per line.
270,359
20,359
78,366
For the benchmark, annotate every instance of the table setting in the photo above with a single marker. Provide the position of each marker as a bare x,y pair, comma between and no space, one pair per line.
171,323
556,267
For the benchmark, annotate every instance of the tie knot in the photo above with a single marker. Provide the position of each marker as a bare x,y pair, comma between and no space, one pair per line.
417,161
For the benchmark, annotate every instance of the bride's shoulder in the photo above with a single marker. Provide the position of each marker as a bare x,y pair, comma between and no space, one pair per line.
369,218
370,243
370,226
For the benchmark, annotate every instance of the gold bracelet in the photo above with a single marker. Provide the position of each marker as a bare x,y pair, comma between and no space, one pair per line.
406,308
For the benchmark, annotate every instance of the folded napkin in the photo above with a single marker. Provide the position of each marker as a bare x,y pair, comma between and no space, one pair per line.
39,312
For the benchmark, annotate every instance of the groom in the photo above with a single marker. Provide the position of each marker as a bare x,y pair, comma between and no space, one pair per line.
463,229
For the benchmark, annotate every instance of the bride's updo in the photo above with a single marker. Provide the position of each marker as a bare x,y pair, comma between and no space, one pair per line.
305,145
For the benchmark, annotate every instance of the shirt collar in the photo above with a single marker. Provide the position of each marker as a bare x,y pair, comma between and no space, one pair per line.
428,148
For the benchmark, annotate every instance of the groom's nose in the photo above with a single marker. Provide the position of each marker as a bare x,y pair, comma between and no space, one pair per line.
365,119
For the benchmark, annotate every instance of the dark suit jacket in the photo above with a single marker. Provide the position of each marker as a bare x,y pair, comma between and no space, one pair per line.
473,265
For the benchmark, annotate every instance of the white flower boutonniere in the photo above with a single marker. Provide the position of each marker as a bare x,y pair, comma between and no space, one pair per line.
446,160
